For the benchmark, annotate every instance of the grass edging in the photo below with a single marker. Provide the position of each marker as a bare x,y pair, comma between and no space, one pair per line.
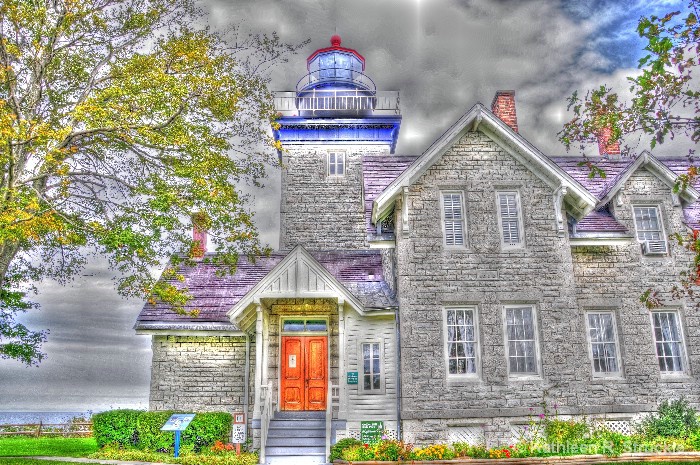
573,460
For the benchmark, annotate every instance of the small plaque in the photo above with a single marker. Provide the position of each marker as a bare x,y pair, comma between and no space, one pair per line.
238,417
238,433
371,431
352,377
292,361
178,422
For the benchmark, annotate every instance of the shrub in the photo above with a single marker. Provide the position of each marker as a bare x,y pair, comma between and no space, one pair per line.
150,436
694,441
434,452
674,419
463,449
338,448
392,450
611,443
565,432
204,431
116,427
229,458
358,453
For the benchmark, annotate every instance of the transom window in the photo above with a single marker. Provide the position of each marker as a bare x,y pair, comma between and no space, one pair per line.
509,219
648,223
521,340
453,218
336,163
669,341
603,340
371,367
462,346
304,325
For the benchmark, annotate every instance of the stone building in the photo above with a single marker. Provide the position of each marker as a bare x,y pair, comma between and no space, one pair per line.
445,295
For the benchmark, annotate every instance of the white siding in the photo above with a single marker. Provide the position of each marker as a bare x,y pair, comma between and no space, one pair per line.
363,406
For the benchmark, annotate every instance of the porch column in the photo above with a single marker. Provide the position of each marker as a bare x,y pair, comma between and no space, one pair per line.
266,350
258,359
342,412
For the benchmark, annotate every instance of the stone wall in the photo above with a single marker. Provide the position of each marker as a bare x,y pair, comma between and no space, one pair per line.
560,284
318,211
200,373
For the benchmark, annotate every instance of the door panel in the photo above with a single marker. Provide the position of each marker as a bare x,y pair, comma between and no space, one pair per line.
304,377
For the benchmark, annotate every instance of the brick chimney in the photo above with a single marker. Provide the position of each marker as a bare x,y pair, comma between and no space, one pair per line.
503,106
199,235
607,148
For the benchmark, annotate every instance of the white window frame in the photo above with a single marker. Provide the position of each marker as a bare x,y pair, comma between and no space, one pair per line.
336,153
684,353
535,329
519,217
477,346
616,341
659,216
463,245
361,368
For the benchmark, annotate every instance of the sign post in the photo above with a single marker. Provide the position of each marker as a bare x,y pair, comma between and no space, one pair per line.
178,423
238,434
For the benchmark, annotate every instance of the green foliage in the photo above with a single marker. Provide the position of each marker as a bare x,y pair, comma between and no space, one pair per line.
150,437
47,446
116,427
463,449
118,120
674,419
207,428
694,440
392,450
611,443
338,448
358,453
567,432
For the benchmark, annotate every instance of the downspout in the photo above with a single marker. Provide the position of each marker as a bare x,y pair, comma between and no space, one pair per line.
246,376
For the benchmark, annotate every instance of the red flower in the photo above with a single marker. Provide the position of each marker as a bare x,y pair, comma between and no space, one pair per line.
366,446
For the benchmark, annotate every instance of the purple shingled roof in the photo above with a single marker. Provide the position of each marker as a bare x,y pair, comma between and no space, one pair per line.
360,271
377,173
600,221
597,185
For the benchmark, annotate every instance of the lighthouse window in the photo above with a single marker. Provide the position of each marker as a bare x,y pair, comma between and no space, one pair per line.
336,164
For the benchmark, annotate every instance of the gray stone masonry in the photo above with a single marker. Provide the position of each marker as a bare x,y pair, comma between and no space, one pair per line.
196,373
323,212
559,282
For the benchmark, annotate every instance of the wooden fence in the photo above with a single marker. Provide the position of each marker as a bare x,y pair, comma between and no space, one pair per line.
75,428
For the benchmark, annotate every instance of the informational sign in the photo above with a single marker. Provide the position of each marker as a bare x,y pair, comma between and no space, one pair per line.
178,422
238,435
371,431
352,377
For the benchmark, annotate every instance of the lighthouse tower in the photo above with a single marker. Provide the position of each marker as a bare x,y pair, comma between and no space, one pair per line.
332,121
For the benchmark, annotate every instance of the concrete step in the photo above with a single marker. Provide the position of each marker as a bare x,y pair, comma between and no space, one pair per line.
298,424
319,441
299,415
286,451
296,433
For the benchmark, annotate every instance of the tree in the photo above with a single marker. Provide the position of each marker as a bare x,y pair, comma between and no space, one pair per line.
665,104
118,120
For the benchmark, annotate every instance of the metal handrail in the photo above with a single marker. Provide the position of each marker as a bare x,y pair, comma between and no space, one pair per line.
337,75
338,100
266,414
333,401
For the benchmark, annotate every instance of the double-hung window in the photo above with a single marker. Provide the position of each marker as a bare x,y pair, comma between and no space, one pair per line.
453,219
521,340
669,342
510,220
336,164
603,342
650,230
462,347
372,382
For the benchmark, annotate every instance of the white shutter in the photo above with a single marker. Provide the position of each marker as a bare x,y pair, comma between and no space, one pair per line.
509,218
453,218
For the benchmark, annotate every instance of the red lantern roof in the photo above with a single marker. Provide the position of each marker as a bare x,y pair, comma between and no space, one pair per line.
335,47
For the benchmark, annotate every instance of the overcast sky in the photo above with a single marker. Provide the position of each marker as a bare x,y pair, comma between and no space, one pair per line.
443,57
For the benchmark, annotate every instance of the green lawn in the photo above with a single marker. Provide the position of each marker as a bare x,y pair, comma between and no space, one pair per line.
38,462
54,447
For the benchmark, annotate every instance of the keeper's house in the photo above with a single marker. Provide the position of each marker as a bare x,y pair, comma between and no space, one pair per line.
444,295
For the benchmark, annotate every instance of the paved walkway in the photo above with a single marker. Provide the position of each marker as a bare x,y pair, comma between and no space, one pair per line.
79,460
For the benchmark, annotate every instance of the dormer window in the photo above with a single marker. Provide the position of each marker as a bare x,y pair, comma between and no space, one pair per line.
650,232
336,164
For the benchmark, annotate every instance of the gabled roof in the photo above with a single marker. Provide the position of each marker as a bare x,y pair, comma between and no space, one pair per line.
578,168
377,173
358,271
480,118
656,167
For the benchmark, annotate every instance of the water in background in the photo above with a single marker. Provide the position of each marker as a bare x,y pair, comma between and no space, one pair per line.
19,418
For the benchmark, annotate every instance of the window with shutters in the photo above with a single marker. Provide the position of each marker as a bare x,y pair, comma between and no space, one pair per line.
510,220
461,342
372,380
668,338
336,164
602,338
521,340
453,219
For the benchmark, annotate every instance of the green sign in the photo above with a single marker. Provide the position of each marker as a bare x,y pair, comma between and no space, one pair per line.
352,377
371,431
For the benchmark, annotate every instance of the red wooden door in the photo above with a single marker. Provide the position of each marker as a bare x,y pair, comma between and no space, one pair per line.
304,373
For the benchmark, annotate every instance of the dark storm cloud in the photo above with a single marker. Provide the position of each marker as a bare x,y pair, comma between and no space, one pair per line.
443,56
